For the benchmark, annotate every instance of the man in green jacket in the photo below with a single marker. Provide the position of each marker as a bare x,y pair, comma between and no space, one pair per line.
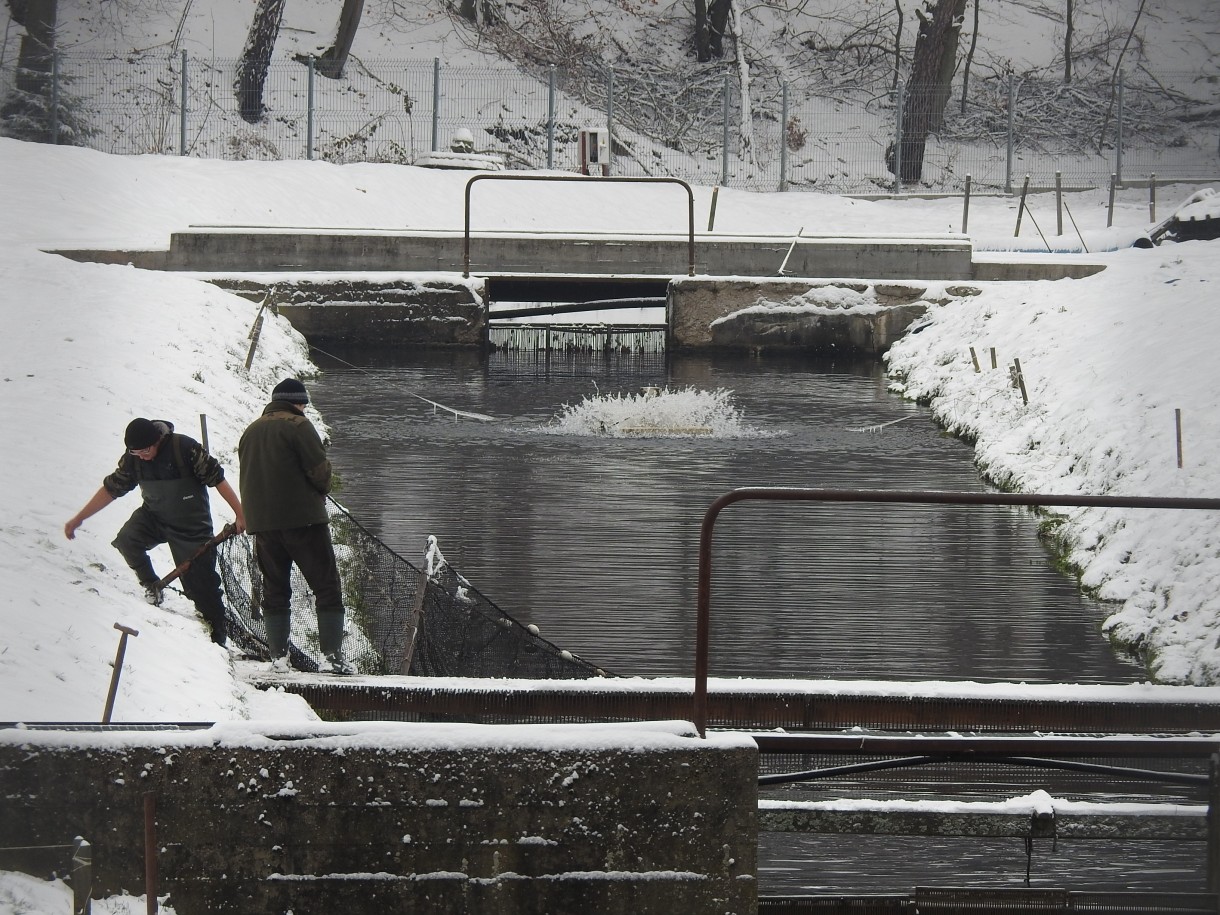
285,476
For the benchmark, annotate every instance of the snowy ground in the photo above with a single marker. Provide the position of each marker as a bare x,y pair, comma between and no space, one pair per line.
1107,362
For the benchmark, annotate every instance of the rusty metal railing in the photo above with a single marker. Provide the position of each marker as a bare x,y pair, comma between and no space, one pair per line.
498,176
909,497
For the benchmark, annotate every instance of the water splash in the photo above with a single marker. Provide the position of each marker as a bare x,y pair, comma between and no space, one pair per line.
655,413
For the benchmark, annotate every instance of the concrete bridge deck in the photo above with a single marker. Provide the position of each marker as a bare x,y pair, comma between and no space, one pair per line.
224,249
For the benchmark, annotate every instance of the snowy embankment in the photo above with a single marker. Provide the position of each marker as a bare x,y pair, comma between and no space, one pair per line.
87,347
1107,361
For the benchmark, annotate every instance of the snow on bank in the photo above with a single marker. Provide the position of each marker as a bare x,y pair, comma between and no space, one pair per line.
86,347
1107,360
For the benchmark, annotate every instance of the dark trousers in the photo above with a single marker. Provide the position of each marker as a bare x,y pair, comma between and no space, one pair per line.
310,548
200,582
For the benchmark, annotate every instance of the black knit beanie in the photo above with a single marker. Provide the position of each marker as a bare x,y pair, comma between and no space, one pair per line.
290,391
141,433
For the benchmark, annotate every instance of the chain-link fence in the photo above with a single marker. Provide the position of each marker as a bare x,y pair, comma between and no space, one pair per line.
401,619
687,125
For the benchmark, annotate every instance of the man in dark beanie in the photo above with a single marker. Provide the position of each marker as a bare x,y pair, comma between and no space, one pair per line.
285,476
173,473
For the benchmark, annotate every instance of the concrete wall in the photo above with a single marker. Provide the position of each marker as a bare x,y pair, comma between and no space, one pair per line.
382,817
797,315
416,311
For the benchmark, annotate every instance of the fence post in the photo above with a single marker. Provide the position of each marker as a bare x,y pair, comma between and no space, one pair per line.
55,96
1110,207
436,100
1152,197
1118,132
550,117
1058,203
309,103
724,139
182,110
783,138
610,120
1012,120
82,876
900,89
966,206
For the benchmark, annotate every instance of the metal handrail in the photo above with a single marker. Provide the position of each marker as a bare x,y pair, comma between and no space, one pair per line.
911,497
496,176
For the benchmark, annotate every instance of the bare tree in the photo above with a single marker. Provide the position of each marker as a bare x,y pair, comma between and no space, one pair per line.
974,40
256,58
897,44
1068,26
927,94
334,59
746,131
1114,76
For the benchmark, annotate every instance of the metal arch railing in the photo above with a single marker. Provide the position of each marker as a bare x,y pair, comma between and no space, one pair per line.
497,176
911,497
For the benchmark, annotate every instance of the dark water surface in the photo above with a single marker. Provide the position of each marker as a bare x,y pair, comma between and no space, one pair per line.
595,540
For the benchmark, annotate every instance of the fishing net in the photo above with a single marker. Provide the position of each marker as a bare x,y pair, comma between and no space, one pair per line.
401,619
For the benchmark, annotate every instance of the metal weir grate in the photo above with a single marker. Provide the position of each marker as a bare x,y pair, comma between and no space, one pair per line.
577,338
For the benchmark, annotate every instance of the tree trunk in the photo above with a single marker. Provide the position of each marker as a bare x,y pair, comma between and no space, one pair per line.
931,72
1068,28
37,45
479,12
331,63
256,58
974,40
747,105
26,112
703,44
718,19
897,46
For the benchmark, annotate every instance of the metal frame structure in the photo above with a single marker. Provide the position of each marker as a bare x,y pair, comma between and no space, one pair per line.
501,176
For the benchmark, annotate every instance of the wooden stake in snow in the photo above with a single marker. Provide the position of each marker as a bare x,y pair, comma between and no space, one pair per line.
1177,421
1021,206
974,357
1018,378
994,364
